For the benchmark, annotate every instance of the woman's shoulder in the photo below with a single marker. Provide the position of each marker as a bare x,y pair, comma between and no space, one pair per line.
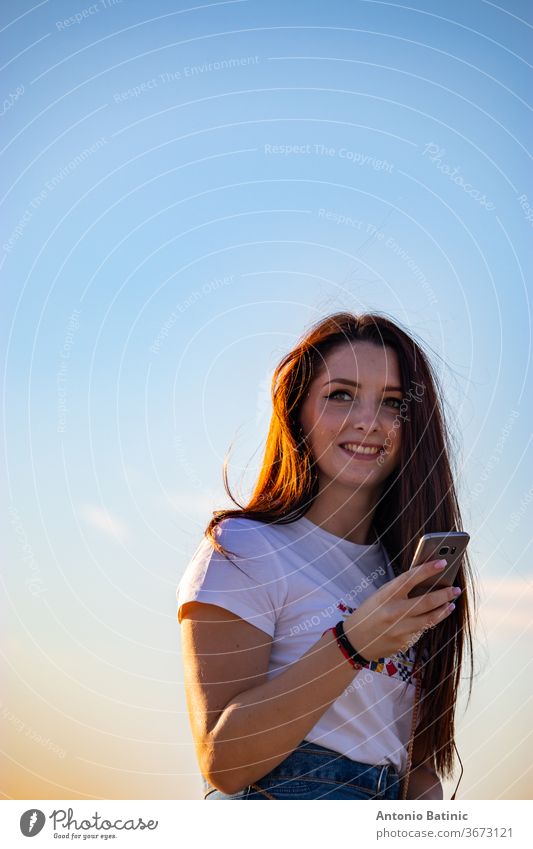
244,543
258,543
245,579
247,534
252,547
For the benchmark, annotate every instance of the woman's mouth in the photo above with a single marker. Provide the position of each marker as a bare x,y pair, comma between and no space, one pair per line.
358,452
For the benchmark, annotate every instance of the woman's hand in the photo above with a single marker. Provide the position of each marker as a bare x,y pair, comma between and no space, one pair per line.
389,621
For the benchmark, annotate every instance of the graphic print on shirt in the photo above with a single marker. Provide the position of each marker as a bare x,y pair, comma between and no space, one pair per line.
400,665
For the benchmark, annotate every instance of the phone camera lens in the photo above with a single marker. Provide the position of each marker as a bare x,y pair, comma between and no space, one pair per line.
444,550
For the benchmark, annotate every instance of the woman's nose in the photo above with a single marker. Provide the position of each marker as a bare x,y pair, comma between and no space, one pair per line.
364,415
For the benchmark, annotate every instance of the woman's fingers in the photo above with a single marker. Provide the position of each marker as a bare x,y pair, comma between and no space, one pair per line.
389,618
427,620
430,600
441,613
401,586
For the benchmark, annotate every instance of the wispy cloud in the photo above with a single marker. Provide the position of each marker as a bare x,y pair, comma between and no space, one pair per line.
102,520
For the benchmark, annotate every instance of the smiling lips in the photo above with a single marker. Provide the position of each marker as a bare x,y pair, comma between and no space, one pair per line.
366,452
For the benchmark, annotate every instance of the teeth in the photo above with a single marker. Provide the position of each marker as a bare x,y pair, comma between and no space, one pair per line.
357,449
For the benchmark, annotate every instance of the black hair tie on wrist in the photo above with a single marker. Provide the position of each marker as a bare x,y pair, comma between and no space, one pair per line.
342,638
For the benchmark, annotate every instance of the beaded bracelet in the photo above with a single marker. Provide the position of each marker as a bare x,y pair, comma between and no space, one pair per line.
353,656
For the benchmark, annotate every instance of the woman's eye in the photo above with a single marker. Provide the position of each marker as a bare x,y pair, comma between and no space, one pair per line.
337,392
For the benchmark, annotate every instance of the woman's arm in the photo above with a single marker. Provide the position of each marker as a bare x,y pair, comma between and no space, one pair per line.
424,783
244,724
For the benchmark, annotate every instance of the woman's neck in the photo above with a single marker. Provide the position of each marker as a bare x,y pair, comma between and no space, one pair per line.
350,518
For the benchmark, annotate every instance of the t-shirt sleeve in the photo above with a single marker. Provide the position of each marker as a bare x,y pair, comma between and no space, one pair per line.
253,586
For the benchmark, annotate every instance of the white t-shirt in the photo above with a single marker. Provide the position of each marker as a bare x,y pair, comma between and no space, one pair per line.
298,580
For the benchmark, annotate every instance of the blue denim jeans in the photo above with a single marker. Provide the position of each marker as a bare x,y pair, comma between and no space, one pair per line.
314,772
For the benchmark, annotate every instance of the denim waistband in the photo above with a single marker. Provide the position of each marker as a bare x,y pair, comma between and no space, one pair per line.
311,762
314,762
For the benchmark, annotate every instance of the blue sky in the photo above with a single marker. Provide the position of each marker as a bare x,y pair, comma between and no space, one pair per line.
185,190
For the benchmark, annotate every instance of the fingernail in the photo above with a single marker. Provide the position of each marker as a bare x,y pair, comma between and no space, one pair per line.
451,607
440,564
457,590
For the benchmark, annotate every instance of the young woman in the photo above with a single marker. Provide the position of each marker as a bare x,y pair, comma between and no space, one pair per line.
310,671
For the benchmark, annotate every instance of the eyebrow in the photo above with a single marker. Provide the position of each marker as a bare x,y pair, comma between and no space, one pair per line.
355,383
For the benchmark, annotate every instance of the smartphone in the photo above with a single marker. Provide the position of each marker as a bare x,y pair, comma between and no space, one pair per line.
449,546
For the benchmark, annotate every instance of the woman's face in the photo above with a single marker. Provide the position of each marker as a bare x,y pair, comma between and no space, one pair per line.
337,413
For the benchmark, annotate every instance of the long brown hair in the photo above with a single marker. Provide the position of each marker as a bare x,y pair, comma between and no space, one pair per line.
419,497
